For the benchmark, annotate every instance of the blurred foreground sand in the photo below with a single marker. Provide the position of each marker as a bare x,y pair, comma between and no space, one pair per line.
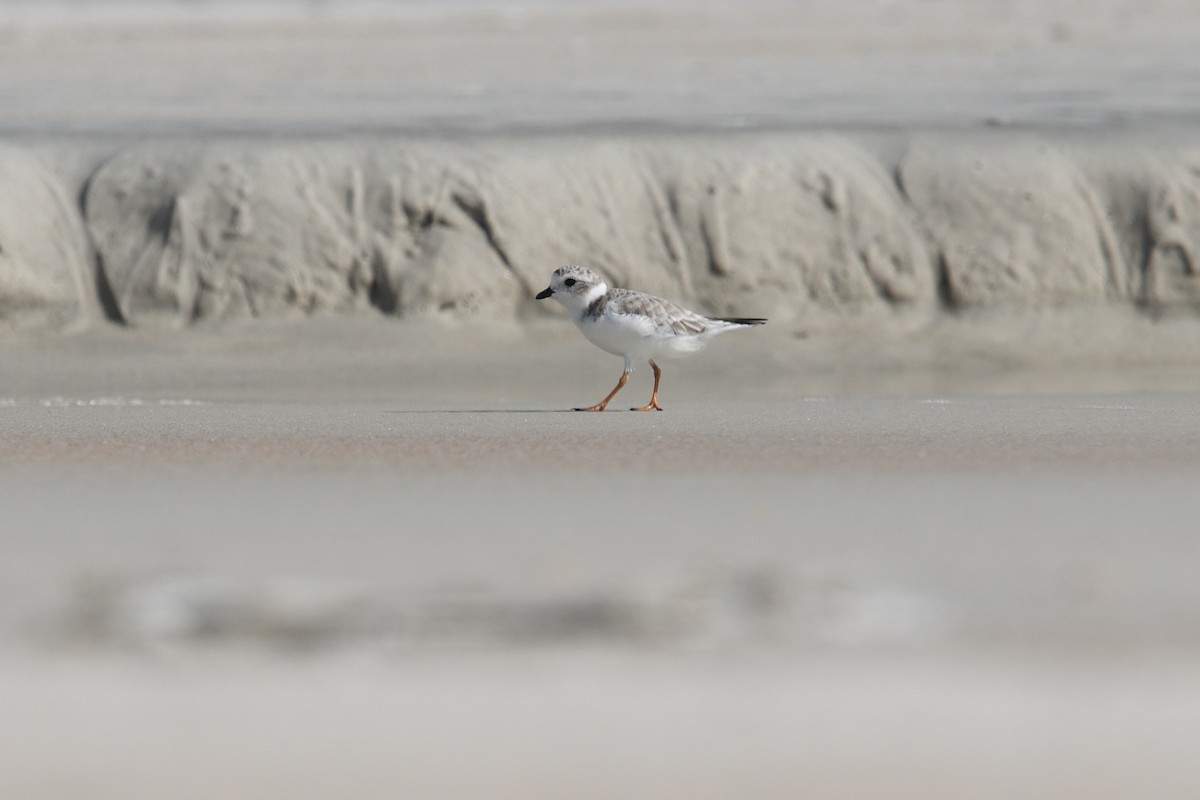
596,725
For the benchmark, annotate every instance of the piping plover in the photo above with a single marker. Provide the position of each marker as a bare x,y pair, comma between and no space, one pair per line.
632,324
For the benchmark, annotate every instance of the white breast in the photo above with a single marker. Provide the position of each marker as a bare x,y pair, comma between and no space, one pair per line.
622,335
636,337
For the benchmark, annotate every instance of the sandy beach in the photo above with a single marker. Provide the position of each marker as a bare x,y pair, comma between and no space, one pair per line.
247,563
293,503
591,725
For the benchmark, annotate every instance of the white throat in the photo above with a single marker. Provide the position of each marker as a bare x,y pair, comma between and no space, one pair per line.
594,294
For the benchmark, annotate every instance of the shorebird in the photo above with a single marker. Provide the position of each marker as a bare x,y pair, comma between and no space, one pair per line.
633,325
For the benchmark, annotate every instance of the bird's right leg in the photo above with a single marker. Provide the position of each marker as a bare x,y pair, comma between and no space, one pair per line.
653,404
603,404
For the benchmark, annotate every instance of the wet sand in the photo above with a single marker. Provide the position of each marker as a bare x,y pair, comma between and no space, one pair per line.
247,563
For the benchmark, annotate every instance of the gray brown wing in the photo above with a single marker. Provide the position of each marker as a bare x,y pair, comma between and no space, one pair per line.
670,317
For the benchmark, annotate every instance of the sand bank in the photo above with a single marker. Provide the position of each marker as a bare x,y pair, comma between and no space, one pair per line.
179,164
802,226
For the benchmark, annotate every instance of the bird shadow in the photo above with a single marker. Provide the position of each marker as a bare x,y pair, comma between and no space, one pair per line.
483,411
505,410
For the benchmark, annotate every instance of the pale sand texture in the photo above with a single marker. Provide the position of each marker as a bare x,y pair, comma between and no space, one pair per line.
284,561
830,228
585,725
434,66
316,524
179,164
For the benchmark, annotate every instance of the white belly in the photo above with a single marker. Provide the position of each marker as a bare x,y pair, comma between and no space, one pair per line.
636,338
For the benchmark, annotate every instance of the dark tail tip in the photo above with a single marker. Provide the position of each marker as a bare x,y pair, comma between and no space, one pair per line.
742,320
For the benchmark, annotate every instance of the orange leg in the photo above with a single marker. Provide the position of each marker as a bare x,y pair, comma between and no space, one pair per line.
653,405
603,404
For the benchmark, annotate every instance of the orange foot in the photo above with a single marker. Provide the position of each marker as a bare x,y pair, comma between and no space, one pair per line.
653,406
603,404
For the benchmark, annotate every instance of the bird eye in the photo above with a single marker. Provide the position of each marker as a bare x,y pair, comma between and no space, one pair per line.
569,281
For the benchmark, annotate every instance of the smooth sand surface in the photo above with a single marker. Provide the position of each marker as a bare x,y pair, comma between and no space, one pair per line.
97,68
596,725
266,562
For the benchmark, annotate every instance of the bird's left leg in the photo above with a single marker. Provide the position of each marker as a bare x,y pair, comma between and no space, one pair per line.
653,404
